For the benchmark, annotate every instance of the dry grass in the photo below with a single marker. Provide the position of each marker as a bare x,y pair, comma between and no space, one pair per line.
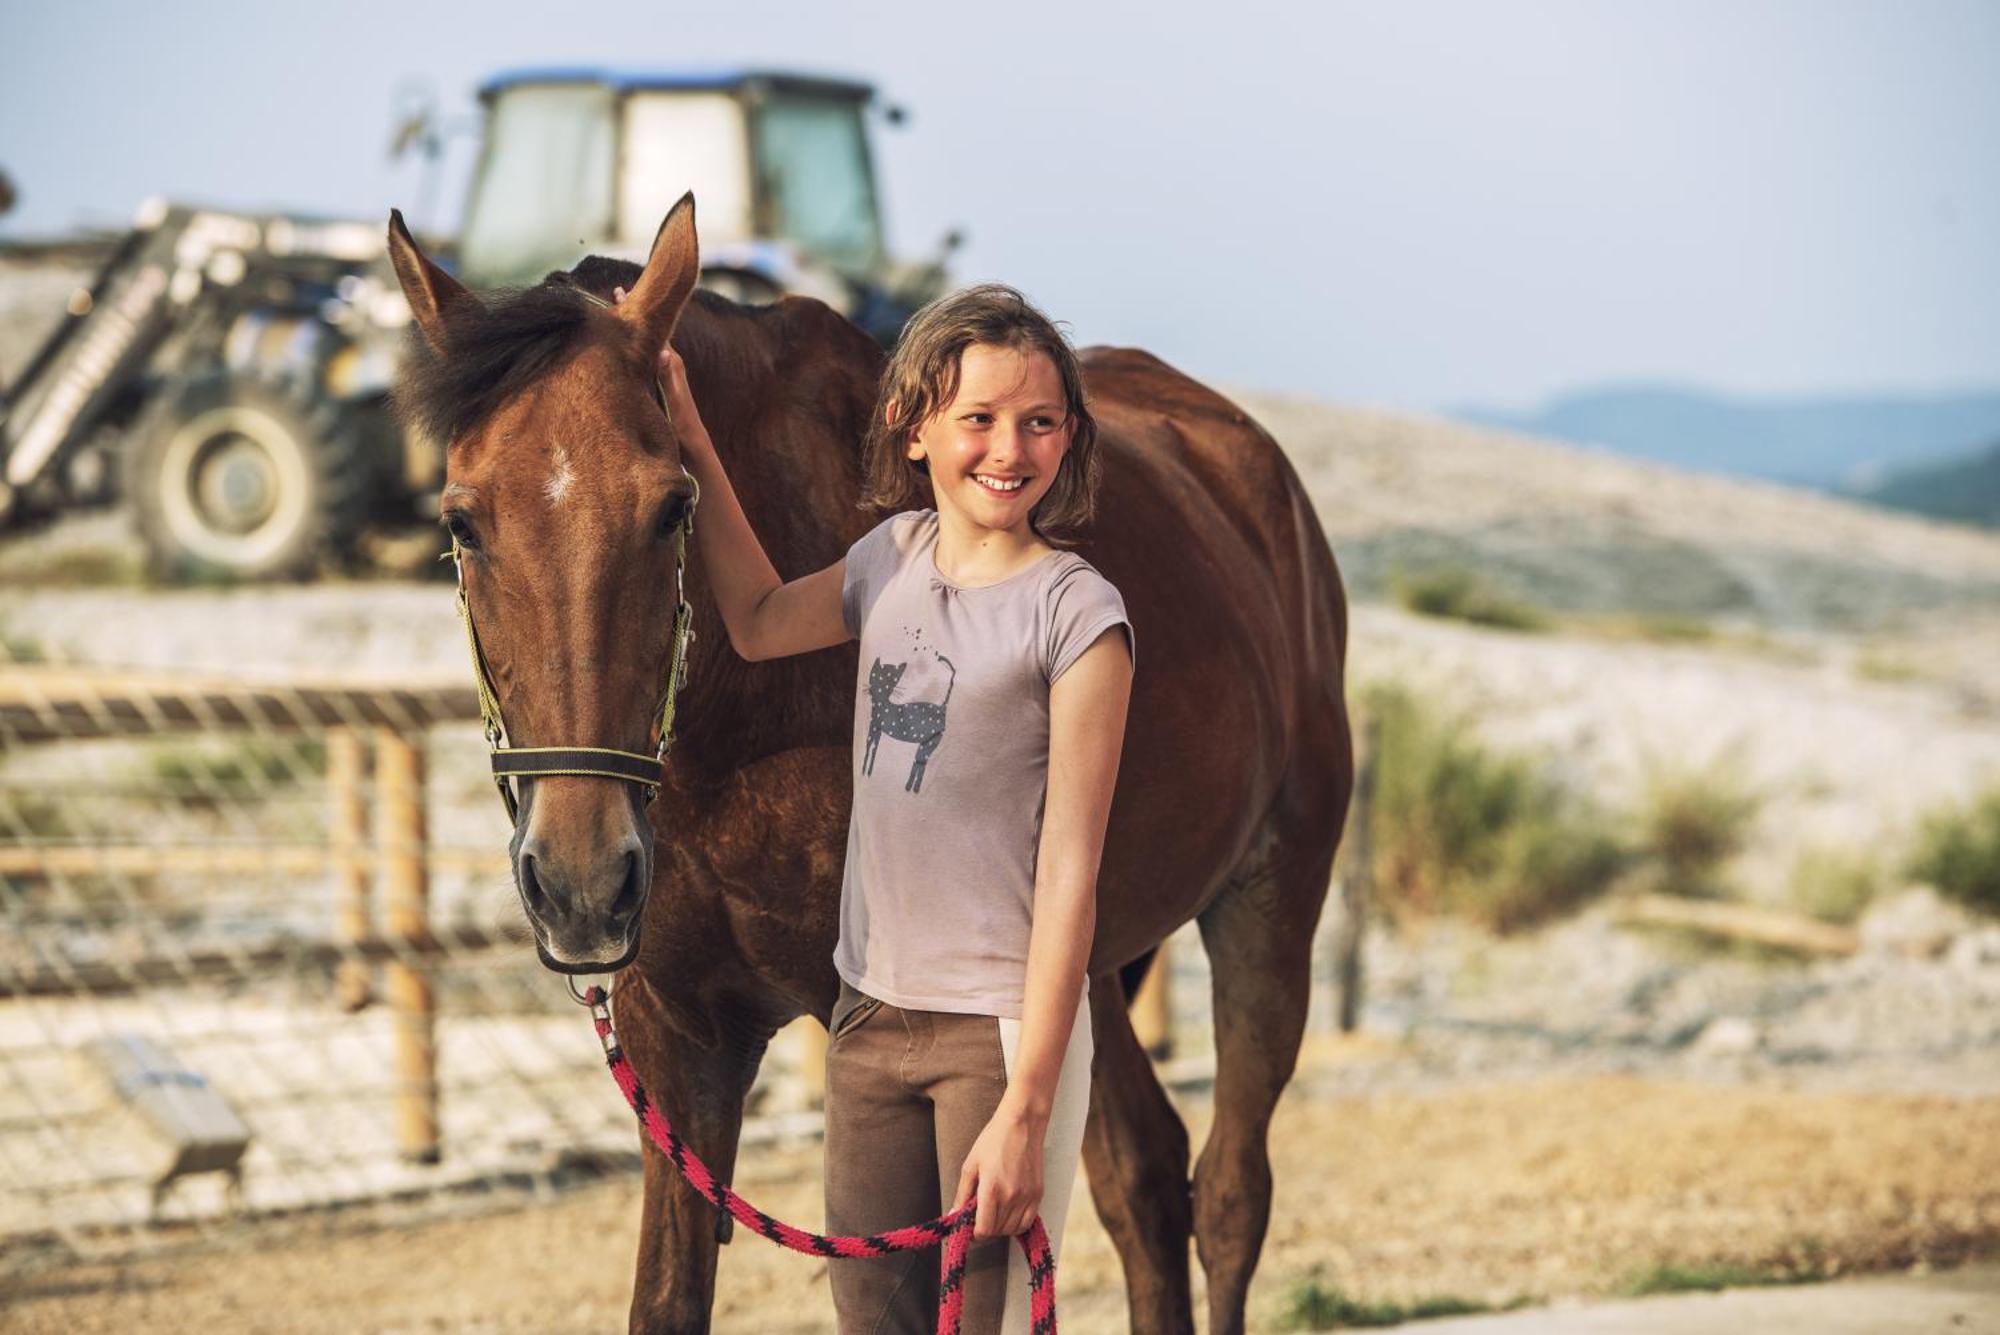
1489,1195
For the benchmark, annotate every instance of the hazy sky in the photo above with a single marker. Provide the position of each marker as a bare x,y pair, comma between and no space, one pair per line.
1422,204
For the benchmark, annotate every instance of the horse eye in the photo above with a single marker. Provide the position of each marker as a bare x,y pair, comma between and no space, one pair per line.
673,515
460,527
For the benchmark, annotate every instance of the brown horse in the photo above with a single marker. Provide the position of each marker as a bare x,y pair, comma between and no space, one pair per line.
564,487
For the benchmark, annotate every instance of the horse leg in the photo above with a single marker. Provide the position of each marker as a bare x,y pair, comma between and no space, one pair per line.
1136,1152
1258,935
701,1091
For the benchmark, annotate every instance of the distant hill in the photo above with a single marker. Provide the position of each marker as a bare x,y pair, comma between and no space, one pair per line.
1592,532
1966,490
1848,443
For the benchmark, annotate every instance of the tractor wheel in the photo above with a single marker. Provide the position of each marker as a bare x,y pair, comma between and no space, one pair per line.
745,287
246,479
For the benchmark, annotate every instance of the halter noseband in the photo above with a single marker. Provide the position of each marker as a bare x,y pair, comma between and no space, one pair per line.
594,762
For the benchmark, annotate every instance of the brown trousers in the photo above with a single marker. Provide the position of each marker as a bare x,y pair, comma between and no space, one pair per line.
907,1093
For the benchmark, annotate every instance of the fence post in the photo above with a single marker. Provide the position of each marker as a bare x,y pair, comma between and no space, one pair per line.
1152,1008
347,817
1357,879
810,1046
401,839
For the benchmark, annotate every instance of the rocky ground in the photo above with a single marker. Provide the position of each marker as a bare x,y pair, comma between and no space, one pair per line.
1490,1193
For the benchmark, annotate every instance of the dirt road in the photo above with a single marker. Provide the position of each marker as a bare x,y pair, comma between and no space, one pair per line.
1538,1190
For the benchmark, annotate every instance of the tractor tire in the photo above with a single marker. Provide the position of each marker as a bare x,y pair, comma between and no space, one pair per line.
745,287
244,479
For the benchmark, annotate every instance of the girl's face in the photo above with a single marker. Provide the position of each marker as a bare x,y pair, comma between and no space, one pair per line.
994,449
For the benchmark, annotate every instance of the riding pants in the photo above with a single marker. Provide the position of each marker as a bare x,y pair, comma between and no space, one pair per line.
907,1093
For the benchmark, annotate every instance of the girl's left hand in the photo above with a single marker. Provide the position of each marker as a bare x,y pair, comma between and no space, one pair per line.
1004,1167
673,377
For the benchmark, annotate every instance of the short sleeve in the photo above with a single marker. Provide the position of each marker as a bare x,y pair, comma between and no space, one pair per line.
1082,605
870,562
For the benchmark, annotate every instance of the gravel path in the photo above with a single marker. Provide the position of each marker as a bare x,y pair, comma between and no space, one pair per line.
1534,1190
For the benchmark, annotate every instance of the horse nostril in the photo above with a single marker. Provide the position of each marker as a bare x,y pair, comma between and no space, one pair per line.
531,887
630,893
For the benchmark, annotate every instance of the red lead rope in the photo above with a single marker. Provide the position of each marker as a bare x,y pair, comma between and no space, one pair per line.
954,1229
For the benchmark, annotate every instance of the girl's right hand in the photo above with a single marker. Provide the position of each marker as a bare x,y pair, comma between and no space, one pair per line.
673,378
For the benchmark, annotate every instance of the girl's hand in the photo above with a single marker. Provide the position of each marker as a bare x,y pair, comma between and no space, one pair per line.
1004,1167
673,376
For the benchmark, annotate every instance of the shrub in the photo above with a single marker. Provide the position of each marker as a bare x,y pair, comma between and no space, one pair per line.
237,769
1694,820
1460,594
1958,851
1313,1305
1457,829
1834,885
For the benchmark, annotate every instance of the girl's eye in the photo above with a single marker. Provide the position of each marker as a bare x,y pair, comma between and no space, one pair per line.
979,419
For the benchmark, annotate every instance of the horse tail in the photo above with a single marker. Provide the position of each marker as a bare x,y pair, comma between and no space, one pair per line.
950,684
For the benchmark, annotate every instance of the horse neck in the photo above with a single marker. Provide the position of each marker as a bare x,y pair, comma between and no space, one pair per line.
785,392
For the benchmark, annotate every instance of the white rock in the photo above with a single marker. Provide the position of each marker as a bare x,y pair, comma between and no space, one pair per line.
1977,950
1916,922
1729,1036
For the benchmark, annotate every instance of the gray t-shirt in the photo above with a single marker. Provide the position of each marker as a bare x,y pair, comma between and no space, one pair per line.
951,757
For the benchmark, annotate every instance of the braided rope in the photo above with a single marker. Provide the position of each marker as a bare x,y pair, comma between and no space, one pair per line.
953,1229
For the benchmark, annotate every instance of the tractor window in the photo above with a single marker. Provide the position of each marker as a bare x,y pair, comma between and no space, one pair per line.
685,141
543,193
812,160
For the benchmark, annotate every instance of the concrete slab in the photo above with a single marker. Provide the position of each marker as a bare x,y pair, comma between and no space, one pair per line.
1964,1301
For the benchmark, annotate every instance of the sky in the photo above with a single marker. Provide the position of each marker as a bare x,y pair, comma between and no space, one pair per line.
1424,204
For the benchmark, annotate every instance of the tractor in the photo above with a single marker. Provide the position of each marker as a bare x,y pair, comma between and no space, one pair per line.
227,374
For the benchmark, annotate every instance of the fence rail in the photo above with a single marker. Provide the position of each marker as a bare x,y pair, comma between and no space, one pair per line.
284,922
292,896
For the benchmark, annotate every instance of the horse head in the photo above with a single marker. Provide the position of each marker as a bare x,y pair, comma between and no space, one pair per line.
566,502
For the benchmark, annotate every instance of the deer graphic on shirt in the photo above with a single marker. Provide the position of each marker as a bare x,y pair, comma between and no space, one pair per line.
919,721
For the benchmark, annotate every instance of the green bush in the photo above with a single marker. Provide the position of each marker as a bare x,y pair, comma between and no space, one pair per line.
1457,829
1715,1276
1460,594
1313,1305
1958,851
1834,885
1692,822
237,769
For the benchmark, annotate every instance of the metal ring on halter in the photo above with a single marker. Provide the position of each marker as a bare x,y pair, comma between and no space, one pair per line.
581,998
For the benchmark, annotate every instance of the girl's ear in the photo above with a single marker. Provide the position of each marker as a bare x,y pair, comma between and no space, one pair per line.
911,449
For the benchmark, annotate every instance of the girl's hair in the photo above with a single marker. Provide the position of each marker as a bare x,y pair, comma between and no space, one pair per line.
922,379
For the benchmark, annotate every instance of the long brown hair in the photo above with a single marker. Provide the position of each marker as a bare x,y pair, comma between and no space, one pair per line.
922,379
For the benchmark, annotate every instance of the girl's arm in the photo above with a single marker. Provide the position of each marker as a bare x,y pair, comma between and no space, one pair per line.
1087,707
765,616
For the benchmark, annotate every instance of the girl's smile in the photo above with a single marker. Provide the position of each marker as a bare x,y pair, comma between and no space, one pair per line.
993,451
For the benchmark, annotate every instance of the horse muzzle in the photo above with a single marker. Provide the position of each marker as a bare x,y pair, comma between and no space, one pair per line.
585,903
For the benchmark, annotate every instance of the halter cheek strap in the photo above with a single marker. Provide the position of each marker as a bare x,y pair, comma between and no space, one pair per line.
591,762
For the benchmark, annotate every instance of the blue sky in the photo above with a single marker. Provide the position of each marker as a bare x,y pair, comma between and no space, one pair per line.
1421,204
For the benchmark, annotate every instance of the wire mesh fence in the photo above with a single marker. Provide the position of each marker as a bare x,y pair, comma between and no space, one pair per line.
260,947
262,953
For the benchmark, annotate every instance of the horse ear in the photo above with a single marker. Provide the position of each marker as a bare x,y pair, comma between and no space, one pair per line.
430,291
655,302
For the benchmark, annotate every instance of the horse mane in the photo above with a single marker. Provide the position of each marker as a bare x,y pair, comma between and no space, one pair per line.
503,341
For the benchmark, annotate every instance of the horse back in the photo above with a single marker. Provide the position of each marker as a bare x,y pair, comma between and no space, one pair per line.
1240,629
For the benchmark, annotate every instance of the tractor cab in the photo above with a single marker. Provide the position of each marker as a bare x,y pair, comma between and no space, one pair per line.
580,161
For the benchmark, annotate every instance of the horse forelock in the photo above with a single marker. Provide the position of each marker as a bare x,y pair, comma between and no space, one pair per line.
493,350
510,338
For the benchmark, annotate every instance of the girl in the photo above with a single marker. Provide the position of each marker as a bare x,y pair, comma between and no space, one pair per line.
989,714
